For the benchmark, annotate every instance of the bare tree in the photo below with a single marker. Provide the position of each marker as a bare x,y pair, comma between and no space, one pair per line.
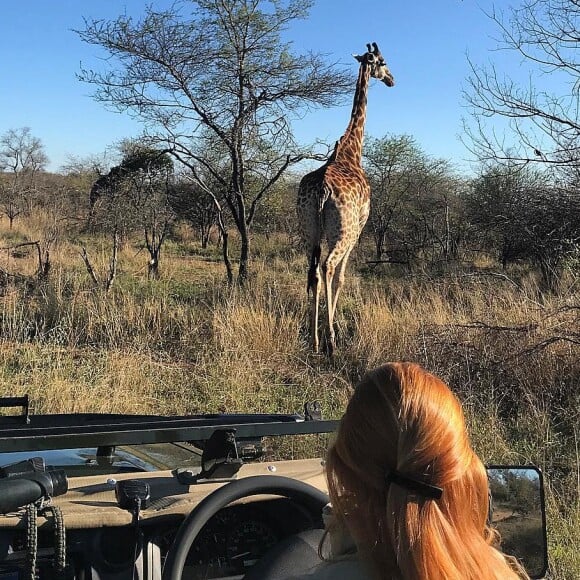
544,127
217,70
495,206
134,195
148,179
523,215
191,204
390,163
414,211
22,156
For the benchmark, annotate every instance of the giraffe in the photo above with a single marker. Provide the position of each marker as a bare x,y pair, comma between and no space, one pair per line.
334,200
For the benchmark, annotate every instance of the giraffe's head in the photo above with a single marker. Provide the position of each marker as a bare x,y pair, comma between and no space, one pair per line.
375,60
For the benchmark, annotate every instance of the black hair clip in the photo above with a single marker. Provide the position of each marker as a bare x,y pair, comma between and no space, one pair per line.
412,484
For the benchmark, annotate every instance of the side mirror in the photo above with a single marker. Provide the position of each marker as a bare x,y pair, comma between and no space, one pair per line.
518,512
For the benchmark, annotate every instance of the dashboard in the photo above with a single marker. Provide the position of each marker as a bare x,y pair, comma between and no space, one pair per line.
101,538
227,547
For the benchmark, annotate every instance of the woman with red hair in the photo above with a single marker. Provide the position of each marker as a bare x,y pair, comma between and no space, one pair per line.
407,487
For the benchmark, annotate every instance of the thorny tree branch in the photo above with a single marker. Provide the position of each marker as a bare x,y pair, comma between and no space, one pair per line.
569,336
545,128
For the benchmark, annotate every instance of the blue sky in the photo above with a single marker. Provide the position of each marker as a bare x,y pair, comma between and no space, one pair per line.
425,43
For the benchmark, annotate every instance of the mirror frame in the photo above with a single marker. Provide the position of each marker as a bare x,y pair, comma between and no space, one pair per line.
535,468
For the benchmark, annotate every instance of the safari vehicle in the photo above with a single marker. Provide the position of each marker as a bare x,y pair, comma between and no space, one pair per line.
89,496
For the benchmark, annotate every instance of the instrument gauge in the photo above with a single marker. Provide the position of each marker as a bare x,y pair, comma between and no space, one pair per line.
248,542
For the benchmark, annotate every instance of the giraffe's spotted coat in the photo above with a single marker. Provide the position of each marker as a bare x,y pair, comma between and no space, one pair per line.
334,201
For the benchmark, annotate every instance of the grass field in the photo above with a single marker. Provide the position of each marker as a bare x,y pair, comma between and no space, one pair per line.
188,344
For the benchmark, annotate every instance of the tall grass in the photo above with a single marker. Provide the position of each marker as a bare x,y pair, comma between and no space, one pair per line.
189,344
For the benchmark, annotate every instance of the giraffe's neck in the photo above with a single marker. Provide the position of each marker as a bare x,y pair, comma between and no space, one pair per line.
350,144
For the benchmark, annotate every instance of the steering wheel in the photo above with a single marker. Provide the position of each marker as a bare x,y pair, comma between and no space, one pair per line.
305,494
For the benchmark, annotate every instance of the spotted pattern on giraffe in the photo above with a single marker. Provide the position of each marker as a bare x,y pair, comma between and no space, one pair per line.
333,202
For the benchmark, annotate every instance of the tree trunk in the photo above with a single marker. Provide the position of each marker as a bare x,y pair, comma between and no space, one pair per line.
225,249
153,266
204,239
244,257
447,248
228,264
44,265
113,262
549,273
379,244
89,267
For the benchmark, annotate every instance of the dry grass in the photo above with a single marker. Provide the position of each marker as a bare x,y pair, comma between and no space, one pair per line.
188,344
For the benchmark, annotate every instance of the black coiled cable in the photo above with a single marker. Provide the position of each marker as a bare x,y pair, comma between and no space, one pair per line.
31,541
59,563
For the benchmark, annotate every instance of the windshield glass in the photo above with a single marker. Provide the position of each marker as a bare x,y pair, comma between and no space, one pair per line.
124,459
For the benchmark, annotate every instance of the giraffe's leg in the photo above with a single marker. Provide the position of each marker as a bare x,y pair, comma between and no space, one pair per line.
330,271
339,280
315,287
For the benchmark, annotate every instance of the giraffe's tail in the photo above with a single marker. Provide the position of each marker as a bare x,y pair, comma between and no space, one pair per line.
316,249
313,269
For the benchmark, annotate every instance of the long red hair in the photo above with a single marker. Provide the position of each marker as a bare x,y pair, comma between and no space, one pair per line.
403,418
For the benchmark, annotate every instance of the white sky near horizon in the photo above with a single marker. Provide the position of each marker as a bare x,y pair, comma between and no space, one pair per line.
425,43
